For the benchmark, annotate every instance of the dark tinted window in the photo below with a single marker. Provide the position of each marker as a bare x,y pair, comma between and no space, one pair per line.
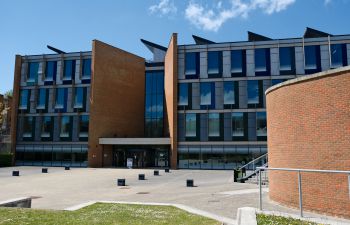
255,95
237,124
86,69
191,129
262,61
83,126
214,64
24,99
46,127
287,60
312,59
33,69
66,127
207,93
51,71
192,65
41,98
338,55
79,97
69,69
214,125
183,94
238,63
261,126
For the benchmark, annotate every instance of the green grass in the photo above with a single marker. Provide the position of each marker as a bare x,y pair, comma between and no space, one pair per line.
102,214
280,220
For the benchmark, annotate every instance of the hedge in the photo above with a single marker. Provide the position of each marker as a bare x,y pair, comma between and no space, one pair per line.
5,159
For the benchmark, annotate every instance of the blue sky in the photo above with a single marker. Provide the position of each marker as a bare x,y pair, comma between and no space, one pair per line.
26,27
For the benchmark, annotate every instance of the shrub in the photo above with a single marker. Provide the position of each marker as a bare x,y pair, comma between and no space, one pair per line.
5,159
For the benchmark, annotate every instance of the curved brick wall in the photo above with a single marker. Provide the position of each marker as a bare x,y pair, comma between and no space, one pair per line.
309,127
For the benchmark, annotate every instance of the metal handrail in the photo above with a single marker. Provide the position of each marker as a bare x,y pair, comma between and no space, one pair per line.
305,170
299,180
253,161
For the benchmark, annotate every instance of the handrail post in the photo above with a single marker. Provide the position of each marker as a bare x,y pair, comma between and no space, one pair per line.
260,191
300,194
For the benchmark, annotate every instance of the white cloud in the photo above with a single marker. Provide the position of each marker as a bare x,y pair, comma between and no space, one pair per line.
164,7
326,2
212,19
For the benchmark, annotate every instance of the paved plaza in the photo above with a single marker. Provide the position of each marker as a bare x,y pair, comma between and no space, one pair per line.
215,191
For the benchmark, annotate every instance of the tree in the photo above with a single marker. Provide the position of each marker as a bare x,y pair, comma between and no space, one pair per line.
9,93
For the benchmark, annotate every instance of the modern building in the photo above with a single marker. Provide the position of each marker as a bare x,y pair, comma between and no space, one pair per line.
198,106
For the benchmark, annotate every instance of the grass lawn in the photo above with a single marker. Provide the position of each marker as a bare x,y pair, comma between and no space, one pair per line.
103,214
280,220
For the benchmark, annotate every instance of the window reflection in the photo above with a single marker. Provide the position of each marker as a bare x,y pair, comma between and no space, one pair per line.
261,126
33,70
312,59
41,98
253,92
192,65
214,63
86,73
238,67
207,92
286,60
183,94
191,130
338,55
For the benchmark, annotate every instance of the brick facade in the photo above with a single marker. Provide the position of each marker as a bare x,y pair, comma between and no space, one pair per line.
308,123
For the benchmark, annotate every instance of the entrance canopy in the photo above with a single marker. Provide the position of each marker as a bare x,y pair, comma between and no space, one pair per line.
134,141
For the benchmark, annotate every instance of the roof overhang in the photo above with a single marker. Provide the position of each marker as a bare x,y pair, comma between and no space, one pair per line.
134,141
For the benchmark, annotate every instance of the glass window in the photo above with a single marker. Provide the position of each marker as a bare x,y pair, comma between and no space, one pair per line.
207,91
84,126
33,69
154,103
60,98
237,61
28,122
338,55
41,98
261,126
24,97
69,69
192,64
65,127
253,92
191,130
86,69
286,59
312,58
183,94
276,81
50,71
214,125
46,127
79,98
229,93
214,62
237,124
261,59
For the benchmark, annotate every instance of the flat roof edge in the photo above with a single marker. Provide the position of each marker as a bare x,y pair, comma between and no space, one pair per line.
308,77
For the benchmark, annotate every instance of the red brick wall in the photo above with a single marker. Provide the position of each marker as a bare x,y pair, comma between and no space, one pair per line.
170,86
309,127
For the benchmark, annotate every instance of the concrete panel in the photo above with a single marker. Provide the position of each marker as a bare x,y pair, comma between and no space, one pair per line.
56,128
226,70
275,62
325,63
252,126
203,68
75,129
59,72
250,63
24,70
70,99
78,72
181,127
266,85
51,101
204,127
195,96
227,127
243,97
37,132
41,74
32,103
299,61
88,92
181,66
219,95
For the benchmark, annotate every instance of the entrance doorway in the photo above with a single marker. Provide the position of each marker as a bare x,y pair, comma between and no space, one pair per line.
140,157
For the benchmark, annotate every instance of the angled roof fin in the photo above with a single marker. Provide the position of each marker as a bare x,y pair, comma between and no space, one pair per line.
257,37
201,41
312,33
152,46
55,50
